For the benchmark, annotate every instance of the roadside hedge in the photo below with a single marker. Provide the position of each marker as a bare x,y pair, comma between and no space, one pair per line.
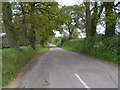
105,48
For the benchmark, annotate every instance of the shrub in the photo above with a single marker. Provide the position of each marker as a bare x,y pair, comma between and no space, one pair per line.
105,48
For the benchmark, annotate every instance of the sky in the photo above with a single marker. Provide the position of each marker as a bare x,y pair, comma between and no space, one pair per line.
68,2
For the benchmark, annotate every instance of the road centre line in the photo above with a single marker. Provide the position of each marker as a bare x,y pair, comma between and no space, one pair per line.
83,83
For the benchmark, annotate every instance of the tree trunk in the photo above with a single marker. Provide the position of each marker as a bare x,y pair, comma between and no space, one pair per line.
88,20
24,28
33,37
110,23
7,19
94,19
71,33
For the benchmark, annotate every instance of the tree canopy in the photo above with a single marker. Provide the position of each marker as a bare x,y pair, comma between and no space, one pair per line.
31,23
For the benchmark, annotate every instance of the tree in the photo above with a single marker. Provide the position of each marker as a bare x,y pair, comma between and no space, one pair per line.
36,21
75,16
97,11
88,19
110,18
92,17
8,23
24,27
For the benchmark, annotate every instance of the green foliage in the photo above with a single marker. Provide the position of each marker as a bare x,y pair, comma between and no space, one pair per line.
33,22
63,40
75,19
8,23
100,47
56,40
14,60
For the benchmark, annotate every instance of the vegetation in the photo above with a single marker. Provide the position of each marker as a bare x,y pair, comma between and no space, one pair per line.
28,24
92,14
31,23
75,20
14,60
103,48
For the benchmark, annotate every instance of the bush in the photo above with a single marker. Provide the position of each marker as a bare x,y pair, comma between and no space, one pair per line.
98,46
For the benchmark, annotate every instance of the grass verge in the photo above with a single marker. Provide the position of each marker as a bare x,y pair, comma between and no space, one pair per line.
98,54
13,60
105,48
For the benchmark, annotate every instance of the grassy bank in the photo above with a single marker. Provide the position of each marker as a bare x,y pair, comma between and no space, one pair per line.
13,60
103,48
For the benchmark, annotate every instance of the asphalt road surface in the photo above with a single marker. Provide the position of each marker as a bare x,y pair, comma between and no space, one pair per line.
60,68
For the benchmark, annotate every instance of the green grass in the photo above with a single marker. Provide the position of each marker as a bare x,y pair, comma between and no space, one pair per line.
103,48
68,48
13,60
0,67
106,56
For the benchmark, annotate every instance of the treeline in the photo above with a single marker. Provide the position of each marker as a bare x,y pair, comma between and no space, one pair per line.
86,18
26,24
31,23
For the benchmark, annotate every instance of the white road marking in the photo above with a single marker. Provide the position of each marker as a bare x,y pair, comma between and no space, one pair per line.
84,84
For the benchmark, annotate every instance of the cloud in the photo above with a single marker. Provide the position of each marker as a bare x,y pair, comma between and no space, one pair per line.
68,2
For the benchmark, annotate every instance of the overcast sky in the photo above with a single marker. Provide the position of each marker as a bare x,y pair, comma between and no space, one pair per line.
68,2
